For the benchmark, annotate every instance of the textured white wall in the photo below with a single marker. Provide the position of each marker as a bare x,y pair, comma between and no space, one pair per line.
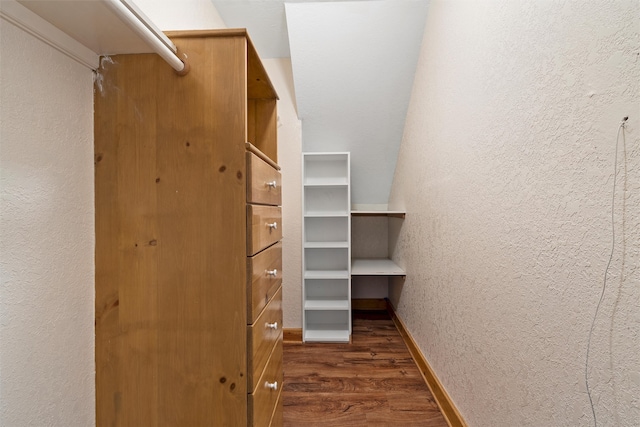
289,159
46,236
506,172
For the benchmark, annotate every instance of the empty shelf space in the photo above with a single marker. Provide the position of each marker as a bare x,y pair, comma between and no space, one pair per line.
375,267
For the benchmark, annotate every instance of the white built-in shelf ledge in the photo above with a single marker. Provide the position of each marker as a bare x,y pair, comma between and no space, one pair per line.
375,267
394,214
86,30
318,334
326,304
326,274
325,183
328,245
317,214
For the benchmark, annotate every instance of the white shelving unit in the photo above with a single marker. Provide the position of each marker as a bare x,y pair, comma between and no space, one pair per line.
376,266
326,260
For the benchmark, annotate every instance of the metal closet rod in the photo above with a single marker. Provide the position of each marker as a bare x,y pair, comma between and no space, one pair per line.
133,21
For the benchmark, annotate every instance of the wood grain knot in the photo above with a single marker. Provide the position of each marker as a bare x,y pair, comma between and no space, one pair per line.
157,179
232,386
98,158
239,175
222,168
108,307
188,144
153,242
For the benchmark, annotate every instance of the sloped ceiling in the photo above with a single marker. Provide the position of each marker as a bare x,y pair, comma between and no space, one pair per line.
353,67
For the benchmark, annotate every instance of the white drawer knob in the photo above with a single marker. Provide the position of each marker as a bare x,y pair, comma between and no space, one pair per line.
271,386
271,184
272,273
273,225
273,325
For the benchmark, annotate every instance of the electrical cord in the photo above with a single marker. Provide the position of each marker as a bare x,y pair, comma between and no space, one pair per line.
606,271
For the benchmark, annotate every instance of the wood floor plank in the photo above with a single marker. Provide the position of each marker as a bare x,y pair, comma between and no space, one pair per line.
373,381
332,384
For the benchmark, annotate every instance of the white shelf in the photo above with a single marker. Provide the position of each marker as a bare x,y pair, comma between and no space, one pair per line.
86,30
375,267
325,335
329,245
326,214
326,274
326,304
395,214
326,182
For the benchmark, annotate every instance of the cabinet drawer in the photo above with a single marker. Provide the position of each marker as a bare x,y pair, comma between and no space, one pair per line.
264,183
261,337
264,276
264,227
263,400
277,419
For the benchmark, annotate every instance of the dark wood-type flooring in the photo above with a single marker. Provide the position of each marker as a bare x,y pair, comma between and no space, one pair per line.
371,382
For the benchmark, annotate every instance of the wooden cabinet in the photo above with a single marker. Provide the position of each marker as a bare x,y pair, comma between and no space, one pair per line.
188,264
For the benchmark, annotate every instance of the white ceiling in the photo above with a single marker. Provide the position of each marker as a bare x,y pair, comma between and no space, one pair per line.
353,66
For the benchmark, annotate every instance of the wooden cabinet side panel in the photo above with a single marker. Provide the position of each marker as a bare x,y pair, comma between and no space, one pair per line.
126,257
251,121
201,208
178,356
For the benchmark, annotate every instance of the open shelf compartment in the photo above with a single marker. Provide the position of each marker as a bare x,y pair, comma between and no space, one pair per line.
326,168
327,325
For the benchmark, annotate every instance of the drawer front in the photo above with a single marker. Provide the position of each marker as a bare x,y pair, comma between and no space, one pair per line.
263,401
264,183
261,337
264,276
277,419
264,227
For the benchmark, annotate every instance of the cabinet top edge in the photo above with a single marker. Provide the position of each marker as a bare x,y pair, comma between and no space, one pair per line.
221,32
257,72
